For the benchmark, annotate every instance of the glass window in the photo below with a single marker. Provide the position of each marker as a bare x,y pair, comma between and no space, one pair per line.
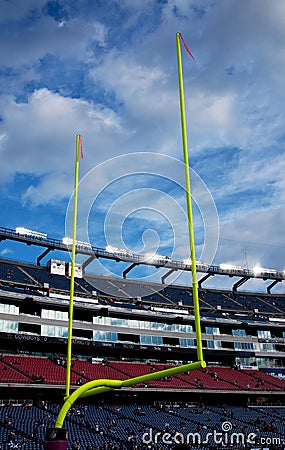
64,332
246,346
8,326
239,333
143,325
50,330
212,330
106,336
267,347
151,340
117,322
266,362
61,332
54,331
264,333
156,325
55,315
147,325
157,340
44,330
145,339
214,344
13,309
184,342
133,323
9,309
246,361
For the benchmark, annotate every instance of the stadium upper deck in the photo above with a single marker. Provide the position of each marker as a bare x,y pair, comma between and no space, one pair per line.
124,319
241,327
123,255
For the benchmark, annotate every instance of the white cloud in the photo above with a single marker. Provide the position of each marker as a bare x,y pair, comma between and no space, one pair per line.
39,139
256,233
234,97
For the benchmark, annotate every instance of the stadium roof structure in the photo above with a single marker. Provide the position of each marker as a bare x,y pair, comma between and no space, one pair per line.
31,237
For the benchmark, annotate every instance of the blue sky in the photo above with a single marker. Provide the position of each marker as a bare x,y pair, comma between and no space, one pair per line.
107,70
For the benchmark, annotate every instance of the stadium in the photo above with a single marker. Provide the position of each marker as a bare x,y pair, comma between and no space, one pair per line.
126,328
101,361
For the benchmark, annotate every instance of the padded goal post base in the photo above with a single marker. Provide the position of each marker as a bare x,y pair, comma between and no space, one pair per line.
56,439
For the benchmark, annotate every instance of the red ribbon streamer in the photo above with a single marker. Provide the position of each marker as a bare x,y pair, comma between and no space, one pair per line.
80,147
186,47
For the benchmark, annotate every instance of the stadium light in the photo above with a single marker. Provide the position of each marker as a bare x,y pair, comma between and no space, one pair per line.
149,257
157,257
26,232
119,251
83,245
187,261
257,270
225,266
79,244
115,250
67,241
152,257
110,249
201,263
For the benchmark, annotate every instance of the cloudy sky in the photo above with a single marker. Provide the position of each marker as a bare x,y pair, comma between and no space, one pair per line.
108,70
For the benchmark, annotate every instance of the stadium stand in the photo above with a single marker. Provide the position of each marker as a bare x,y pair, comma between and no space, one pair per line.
130,425
118,335
33,369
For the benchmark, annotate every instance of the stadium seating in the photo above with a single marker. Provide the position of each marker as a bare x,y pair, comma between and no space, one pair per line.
124,425
32,369
29,275
35,370
12,273
9,373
